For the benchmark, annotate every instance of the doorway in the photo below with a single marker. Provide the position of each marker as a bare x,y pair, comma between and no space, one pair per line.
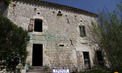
86,60
37,55
100,58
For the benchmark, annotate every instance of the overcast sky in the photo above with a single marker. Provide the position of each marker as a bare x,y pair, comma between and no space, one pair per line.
89,5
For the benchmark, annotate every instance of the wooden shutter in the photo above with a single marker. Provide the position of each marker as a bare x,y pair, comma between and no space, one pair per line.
30,26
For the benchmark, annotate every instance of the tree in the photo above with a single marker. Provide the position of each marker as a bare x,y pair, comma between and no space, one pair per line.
7,1
108,35
13,42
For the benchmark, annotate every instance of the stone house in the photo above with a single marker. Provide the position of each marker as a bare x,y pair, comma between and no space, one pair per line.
59,34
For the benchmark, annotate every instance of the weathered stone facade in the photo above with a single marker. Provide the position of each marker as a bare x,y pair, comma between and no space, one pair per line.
63,47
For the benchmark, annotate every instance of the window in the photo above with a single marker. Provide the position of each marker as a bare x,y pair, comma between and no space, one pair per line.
59,13
82,31
35,25
61,45
38,25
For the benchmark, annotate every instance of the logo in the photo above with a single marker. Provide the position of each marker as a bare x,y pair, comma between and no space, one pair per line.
60,70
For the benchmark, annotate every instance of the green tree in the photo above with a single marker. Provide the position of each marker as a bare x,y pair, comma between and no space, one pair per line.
7,1
108,35
13,42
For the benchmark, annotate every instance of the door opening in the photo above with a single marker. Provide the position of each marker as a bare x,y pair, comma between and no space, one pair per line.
86,60
37,55
100,58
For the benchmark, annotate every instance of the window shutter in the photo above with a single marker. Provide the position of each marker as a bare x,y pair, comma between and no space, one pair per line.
30,26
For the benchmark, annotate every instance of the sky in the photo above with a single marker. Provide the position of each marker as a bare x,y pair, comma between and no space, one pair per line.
89,5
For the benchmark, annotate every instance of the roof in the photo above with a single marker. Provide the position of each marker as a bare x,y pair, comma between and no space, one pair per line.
59,6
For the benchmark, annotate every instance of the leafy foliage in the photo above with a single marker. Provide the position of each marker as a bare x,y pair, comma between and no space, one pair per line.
13,42
108,35
7,1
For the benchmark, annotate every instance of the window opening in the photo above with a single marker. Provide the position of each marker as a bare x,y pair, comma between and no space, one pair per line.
38,25
82,31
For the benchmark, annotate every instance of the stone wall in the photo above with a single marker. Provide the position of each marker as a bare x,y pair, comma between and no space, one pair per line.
57,30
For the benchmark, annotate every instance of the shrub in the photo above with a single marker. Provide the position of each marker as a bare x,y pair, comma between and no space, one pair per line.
96,71
13,42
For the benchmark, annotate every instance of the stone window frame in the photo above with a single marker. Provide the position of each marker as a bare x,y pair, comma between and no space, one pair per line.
87,60
32,24
82,30
38,25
